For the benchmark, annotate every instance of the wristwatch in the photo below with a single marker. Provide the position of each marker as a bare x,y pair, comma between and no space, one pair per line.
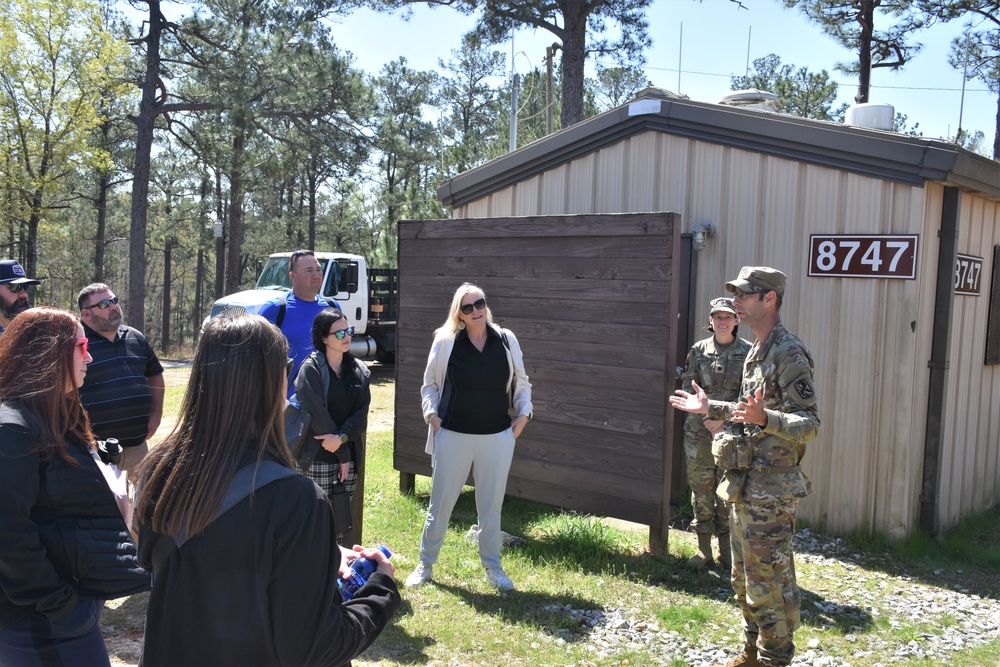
344,438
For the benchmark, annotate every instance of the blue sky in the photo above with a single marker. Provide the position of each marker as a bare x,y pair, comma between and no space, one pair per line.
711,48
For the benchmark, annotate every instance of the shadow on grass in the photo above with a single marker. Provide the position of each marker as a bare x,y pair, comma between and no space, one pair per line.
130,615
545,612
578,542
397,645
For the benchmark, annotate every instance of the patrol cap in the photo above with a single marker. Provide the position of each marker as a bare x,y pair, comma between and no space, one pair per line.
755,279
722,304
12,272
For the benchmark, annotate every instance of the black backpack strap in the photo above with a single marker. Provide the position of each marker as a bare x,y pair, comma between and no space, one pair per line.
247,479
281,310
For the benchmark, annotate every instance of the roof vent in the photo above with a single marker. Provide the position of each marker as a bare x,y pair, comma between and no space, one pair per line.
751,98
871,115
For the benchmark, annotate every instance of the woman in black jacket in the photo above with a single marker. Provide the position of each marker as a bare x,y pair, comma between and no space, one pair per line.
254,584
333,388
65,547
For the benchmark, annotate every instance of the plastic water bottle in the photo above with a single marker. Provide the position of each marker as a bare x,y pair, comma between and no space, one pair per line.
360,570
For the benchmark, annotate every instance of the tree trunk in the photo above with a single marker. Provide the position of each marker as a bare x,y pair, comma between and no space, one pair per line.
866,18
996,131
312,206
100,240
220,241
148,110
574,54
235,249
165,328
31,254
199,279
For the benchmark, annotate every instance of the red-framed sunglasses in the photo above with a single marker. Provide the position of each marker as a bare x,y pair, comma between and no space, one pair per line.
83,344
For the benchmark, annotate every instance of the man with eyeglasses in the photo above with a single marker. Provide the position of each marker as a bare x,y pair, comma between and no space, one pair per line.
762,443
123,392
295,311
13,291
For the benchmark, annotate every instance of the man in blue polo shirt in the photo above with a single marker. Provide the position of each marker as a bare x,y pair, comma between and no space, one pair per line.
302,305
123,392
13,291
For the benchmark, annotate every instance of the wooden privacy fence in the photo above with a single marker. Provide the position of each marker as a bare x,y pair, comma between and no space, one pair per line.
592,300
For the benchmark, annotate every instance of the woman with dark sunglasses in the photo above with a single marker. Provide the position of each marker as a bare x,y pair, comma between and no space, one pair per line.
65,546
333,388
476,400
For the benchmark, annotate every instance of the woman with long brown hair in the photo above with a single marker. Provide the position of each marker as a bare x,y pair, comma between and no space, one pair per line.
245,578
65,546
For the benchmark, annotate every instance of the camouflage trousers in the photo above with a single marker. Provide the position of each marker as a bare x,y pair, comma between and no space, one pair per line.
710,512
764,577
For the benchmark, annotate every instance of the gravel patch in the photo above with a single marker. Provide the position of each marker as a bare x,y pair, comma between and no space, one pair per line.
934,621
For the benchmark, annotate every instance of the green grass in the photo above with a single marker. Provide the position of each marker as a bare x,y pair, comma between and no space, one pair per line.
571,561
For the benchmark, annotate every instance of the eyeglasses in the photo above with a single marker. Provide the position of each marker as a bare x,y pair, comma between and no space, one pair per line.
16,287
289,365
740,294
103,304
339,335
478,304
83,344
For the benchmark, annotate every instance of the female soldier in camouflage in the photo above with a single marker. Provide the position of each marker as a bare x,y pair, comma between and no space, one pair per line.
715,363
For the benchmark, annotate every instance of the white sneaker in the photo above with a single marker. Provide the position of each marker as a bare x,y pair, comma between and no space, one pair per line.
419,576
497,578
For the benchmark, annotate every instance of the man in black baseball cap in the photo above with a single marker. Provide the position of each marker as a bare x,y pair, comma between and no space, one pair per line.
13,291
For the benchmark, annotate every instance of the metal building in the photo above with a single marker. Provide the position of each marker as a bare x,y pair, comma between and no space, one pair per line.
890,244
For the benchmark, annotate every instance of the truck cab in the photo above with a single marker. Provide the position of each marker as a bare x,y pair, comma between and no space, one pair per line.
366,296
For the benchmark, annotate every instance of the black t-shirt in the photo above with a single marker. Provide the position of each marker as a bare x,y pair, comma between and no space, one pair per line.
347,401
475,395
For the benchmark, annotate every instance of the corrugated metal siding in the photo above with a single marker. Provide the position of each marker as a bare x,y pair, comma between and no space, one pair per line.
870,338
970,468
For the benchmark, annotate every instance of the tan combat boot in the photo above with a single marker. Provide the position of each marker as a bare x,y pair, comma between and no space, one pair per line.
725,554
746,659
704,556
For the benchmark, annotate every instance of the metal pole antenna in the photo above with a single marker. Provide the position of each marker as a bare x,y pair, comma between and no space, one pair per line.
513,111
680,55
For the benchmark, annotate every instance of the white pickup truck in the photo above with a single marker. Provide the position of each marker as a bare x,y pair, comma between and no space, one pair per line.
368,298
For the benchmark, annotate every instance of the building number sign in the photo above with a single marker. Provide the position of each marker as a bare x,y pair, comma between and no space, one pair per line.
863,256
968,272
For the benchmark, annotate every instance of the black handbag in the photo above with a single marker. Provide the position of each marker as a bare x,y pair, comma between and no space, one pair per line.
296,428
341,501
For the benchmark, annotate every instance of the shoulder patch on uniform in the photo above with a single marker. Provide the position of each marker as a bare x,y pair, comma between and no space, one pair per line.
804,388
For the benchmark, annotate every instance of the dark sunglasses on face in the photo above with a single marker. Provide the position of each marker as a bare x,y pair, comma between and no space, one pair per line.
478,304
16,287
83,344
103,304
740,294
339,335
289,364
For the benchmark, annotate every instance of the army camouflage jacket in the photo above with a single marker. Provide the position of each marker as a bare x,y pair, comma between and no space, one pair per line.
718,370
782,365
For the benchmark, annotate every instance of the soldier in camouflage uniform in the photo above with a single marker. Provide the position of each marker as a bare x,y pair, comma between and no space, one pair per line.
764,441
717,365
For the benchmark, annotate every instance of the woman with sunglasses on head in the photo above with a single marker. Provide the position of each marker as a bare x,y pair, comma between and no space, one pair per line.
65,547
245,578
333,389
476,400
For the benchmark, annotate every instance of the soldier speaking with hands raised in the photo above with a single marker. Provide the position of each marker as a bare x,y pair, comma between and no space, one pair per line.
763,441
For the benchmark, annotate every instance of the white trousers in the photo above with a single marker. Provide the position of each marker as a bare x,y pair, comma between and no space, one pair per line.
488,457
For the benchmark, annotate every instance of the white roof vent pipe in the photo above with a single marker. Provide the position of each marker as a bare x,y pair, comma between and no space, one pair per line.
872,115
752,98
